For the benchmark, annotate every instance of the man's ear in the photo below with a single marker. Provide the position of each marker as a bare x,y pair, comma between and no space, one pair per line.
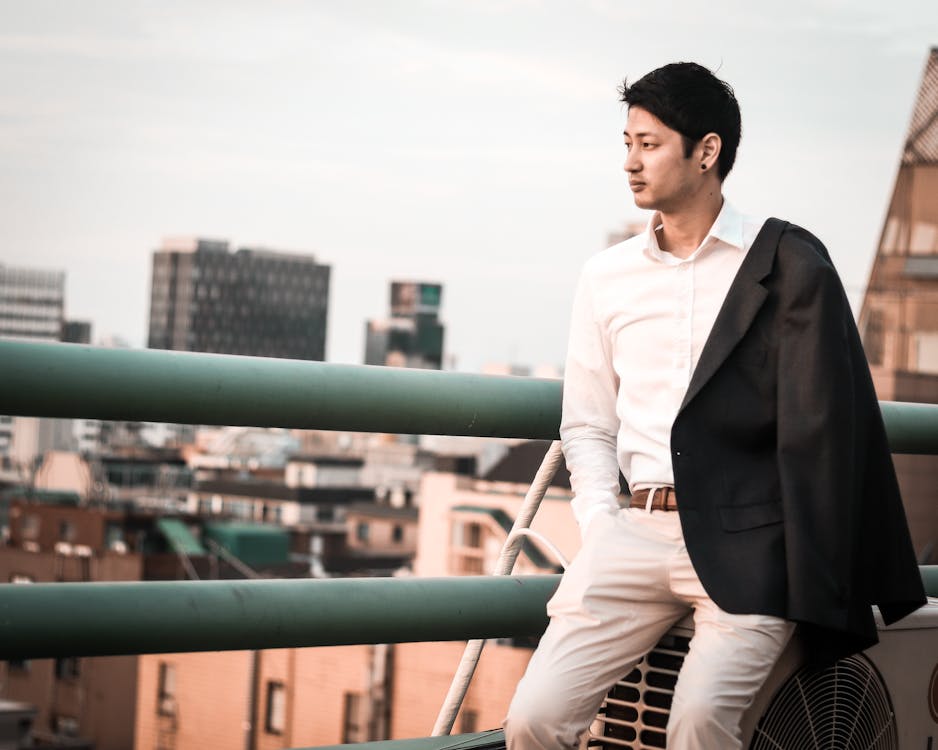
709,150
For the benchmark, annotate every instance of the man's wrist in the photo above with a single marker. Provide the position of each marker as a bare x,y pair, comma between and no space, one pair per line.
590,515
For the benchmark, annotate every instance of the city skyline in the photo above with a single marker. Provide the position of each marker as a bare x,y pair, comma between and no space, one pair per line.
477,144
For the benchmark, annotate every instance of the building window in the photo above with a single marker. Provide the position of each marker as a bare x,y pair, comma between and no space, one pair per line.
467,535
166,690
926,353
353,720
114,537
29,527
66,531
67,668
468,553
65,726
468,721
18,666
276,714
361,532
397,533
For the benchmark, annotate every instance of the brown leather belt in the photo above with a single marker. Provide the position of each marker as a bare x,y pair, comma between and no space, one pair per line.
664,499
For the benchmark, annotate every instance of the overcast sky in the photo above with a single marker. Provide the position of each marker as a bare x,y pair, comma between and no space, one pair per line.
472,142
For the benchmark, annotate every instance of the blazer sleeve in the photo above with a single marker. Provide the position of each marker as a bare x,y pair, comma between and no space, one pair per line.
816,446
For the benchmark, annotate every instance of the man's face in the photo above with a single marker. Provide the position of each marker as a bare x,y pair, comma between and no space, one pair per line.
660,176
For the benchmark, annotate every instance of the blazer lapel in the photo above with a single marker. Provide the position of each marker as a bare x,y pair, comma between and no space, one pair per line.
743,301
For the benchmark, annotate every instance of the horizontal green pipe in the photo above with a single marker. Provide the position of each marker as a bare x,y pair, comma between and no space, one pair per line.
101,619
46,620
930,579
149,385
912,428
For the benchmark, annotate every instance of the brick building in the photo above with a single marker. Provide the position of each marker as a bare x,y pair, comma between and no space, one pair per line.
899,316
323,696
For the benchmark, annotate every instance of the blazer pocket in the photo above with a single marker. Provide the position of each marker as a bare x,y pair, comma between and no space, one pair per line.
743,517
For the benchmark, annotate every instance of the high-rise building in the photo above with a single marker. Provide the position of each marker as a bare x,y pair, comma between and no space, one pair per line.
32,303
413,335
32,306
899,317
257,302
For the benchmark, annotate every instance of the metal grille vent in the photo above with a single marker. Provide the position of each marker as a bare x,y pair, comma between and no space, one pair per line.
842,707
635,712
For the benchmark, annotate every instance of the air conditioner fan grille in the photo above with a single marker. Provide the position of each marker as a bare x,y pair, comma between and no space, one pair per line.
841,707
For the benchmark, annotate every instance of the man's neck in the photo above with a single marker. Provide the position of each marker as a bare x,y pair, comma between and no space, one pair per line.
682,231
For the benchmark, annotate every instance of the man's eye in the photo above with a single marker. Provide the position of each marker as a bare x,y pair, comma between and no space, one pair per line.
647,146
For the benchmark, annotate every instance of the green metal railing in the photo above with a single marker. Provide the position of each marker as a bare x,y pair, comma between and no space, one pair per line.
108,619
146,385
60,380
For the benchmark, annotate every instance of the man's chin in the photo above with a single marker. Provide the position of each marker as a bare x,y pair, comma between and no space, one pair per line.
642,200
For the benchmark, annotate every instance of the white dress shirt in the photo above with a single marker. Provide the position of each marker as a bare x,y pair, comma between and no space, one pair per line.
640,319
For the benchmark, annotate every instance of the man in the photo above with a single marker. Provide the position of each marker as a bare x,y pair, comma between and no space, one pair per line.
715,362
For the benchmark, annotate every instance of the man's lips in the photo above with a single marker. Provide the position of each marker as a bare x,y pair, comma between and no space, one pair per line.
636,185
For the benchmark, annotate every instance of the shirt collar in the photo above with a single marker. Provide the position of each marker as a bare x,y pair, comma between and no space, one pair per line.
727,228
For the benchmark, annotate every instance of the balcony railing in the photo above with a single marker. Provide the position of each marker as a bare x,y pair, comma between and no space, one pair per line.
107,619
146,385
67,380
71,381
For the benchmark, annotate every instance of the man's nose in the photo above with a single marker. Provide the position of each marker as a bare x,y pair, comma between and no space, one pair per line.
632,164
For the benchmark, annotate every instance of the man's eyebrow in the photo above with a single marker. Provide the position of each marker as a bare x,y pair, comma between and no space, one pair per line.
638,135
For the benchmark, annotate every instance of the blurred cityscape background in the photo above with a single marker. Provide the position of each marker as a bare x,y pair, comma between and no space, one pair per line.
420,272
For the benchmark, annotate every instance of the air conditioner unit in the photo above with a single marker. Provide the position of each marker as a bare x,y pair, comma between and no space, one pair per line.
883,699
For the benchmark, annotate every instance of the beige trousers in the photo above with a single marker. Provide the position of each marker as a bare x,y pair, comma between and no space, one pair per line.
630,582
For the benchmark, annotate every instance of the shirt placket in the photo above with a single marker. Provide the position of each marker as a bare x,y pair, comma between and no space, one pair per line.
683,325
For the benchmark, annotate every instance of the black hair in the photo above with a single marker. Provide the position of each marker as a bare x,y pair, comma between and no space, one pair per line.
690,99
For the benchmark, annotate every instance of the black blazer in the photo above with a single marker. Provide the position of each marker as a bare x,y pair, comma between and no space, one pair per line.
787,493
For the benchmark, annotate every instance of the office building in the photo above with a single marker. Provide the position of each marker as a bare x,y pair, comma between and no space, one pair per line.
413,335
204,298
32,306
899,317
32,303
